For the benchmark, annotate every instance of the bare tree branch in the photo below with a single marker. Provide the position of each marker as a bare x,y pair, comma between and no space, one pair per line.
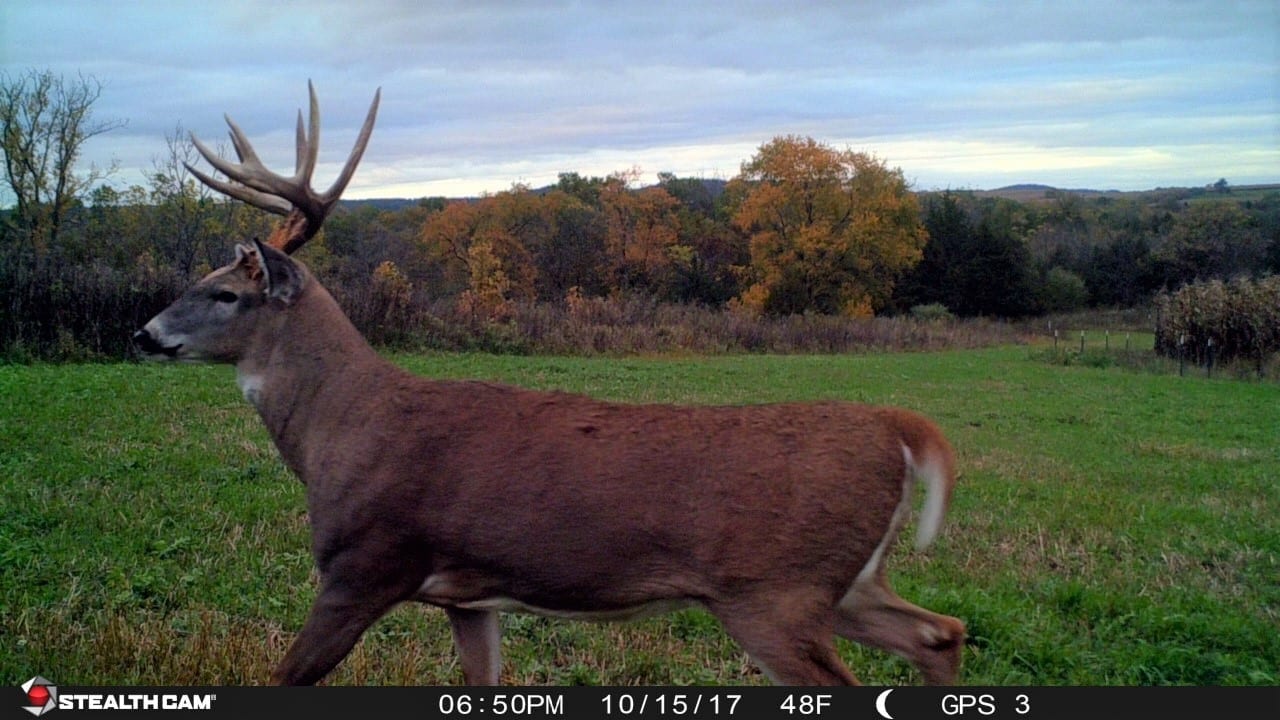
45,120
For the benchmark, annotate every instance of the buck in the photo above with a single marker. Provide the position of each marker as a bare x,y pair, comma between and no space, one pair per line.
481,498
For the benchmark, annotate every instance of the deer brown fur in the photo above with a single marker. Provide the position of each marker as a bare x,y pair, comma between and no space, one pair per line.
481,498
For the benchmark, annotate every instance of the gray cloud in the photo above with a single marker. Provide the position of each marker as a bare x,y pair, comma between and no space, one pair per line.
970,94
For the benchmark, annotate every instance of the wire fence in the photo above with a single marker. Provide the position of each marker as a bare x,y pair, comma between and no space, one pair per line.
1135,349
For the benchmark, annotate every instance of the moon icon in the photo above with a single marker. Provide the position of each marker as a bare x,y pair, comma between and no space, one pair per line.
881,700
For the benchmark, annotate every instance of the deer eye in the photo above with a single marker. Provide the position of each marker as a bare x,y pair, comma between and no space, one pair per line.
225,296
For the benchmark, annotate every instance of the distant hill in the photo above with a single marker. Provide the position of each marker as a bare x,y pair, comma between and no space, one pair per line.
1024,187
391,204
1032,192
715,187
1021,192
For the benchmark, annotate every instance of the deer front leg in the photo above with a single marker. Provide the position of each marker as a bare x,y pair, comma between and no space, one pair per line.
477,636
337,620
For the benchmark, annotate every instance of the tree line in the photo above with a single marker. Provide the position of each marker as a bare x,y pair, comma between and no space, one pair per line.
804,228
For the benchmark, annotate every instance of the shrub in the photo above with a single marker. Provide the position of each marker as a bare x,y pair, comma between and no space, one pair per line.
1063,291
1236,320
59,311
933,312
55,310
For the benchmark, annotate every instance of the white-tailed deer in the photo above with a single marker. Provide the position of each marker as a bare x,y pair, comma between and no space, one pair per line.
481,498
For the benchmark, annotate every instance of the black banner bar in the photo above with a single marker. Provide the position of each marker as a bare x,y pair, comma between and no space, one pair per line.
650,703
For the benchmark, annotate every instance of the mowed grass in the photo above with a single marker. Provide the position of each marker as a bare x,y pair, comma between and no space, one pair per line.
1109,527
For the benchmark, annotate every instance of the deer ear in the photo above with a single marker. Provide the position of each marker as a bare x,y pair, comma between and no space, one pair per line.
284,277
247,258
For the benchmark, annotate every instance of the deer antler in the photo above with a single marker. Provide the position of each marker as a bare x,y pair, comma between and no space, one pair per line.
253,183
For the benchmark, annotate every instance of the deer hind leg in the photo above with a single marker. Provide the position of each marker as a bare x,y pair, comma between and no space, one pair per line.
477,636
872,614
798,650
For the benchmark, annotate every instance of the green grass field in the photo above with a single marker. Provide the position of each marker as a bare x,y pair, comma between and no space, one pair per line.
1109,526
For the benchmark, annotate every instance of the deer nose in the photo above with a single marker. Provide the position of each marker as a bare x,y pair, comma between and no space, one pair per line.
147,344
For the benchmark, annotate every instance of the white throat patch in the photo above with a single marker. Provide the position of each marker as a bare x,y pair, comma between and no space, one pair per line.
250,386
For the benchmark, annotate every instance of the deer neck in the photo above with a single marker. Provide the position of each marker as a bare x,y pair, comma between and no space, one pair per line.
304,369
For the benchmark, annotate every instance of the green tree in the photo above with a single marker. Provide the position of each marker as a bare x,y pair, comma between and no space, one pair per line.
950,231
975,262
1062,291
587,190
1119,272
1211,239
573,255
994,275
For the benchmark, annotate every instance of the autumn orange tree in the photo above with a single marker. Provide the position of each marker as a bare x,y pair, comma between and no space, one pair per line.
484,246
643,232
830,231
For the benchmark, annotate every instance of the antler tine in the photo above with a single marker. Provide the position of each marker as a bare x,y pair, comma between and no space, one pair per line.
244,193
362,141
309,142
253,183
253,173
240,141
300,143
250,181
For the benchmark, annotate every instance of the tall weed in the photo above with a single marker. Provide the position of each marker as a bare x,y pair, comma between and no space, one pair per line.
71,312
50,310
1218,321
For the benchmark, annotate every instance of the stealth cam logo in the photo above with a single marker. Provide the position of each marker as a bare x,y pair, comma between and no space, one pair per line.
41,694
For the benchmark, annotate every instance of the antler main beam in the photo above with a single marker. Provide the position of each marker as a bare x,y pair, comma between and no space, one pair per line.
250,181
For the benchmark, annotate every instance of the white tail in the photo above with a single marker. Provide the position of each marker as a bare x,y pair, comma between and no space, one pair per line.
480,498
934,471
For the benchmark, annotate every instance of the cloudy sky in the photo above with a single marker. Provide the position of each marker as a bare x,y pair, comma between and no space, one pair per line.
480,94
